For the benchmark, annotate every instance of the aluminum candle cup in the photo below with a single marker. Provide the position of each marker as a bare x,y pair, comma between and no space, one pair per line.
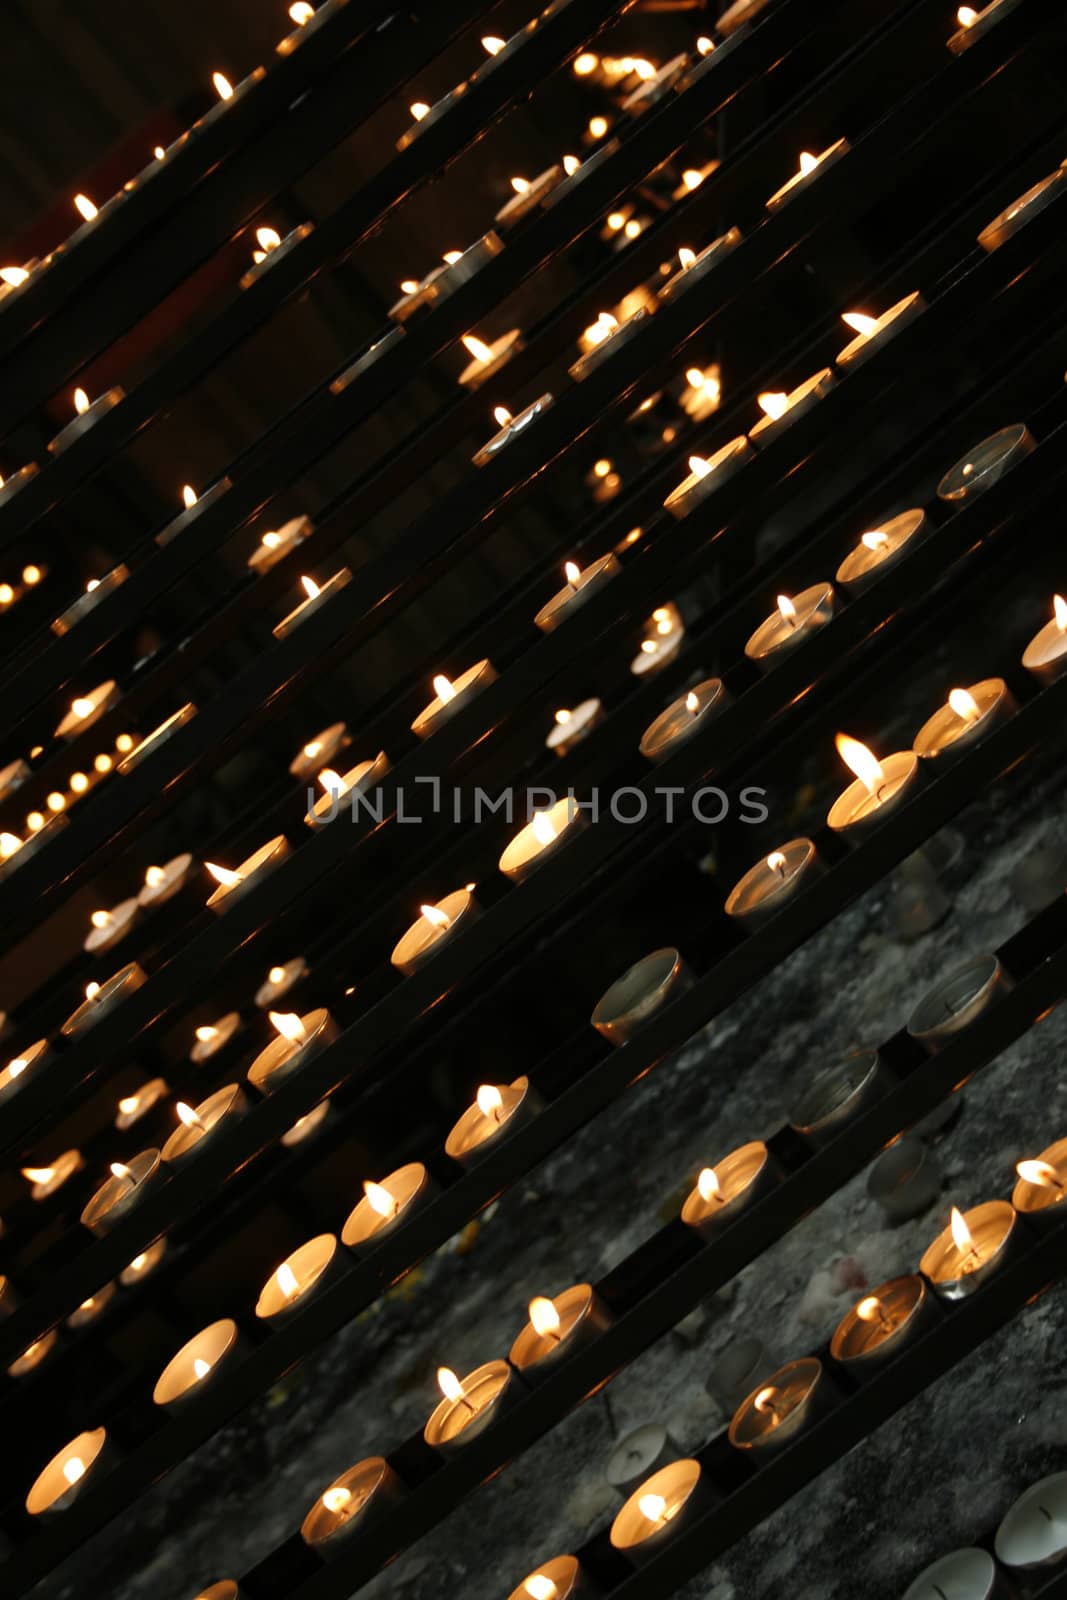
108,997
276,544
811,169
451,697
88,708
286,1055
355,783
799,401
233,886
99,589
562,1572
307,1126
1034,1532
45,1181
881,549
143,1264
33,1058
837,1096
431,116
511,430
582,583
660,1508
965,720
124,1190
214,1036
85,1314
1023,210
387,1206
112,926
889,323
219,1110
867,802
529,198
957,1000
721,1192
32,846
981,24
436,926
185,519
63,1479
905,1180
791,625
216,113
495,357
484,1395
279,981
737,1371
618,337
84,420
544,836
196,1363
353,1502
571,1321
499,1111
34,1356
296,236
571,726
773,1415
641,991
642,1451
695,271
708,476
17,480
133,1107
986,464
159,736
773,882
683,719
300,1276
163,883
1045,657
657,653
1041,1190
881,1324
962,1575
317,598
738,14
971,1249
320,752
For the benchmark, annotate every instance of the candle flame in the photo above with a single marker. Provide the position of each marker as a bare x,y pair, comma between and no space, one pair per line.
571,165
875,539
276,975
435,916
332,782
808,162
694,377
705,45
538,1587
692,703
288,1025
648,647
287,1280
419,110
863,762
14,1068
409,285
9,843
776,861
692,178
379,1199
85,207
452,256
966,16
601,328
301,13
477,348
81,402
117,1169
652,1507
449,1384
205,1033
100,919
311,588
38,1175
271,540
598,127
13,276
860,323
268,239
773,404
870,1309
1059,608
92,990
501,416
312,750
83,706
572,572
201,1368
337,1498
787,609
443,688
520,185
764,1401
188,496
138,1262
73,1469
492,45
187,1115
159,153
543,830
586,63
698,467
489,1099
154,877
1041,1173
223,875
223,86
964,705
707,1184
686,257
961,1234
544,1318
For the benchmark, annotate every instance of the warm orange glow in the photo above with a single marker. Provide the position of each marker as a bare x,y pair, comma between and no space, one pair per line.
571,165
452,256
435,916
268,239
7,594
13,276
686,257
73,1469
692,178
311,588
312,750
773,404
648,647
1059,611
598,127
82,707
91,991
860,323
708,1184
861,761
223,875
966,16
38,1175
9,843
808,162
409,285
694,377
443,688
538,1587
571,570
787,610
379,1199
652,1507
601,328
159,152
271,540
56,801
31,574
543,830
301,13
154,877
188,496
870,1309
223,86
776,861
961,1234
79,782
489,1099
492,45
117,1169
633,228
288,1025
419,110
601,468
764,1401
616,220
81,402
501,416
520,185
85,207
586,63
692,704
187,1115
699,467
544,1318
16,1067
449,1384
705,45
35,821
874,540
964,705
100,919
1041,1173
337,1498
201,1368
477,348
287,1280
205,1033
563,717
332,781
276,975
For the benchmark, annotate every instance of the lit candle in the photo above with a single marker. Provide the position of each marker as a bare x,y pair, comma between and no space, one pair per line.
426,116
736,1182
101,999
543,836
582,583
10,486
879,549
459,267
387,1206
497,1113
683,719
157,738
652,90
1046,654
973,25
351,786
957,1000
299,1277
45,1181
13,278
107,928
212,1037
271,249
13,1076
1034,1532
298,1041
276,544
661,644
873,332
436,926
470,1404
86,709
967,717
452,696
488,359
34,1356
986,464
307,1126
233,884
570,726
558,1579
194,507
809,169
280,980
143,1264
62,1480
706,476
774,1415
880,788
530,194
1042,1186
354,1500
196,1363
228,93
132,1107
510,428
881,1324
780,410
773,882
665,1503
642,991
198,1127
321,751
90,1309
86,413
556,1329
163,883
96,590
615,336
836,1097
795,620
316,599
307,19
975,1245
1023,210
736,15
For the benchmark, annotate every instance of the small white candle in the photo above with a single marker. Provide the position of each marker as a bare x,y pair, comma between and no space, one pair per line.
280,980
436,925
271,249
582,583
873,332
316,598
59,1484
880,787
86,414
452,696
879,549
571,725
108,928
234,883
276,544
132,1107
1023,210
796,620
487,359
196,1363
986,464
85,709
1046,654
780,410
706,476
530,193
497,1111
212,1037
44,1181
809,169
973,25
162,883
543,836
968,716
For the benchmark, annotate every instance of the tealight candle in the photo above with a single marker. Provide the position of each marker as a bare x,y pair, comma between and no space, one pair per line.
227,93
738,14
615,337
97,589
387,1206
969,715
642,1451
451,697
352,1502
774,1414
62,1480
1023,210
487,359
320,752
280,980
233,885
880,549
87,709
837,1096
132,1107
986,464
558,1579
1046,654
197,1128
427,116
879,1326
143,1264
12,777
544,835
881,787
271,250
808,171
163,883
306,1127
108,928
779,410
436,926
498,1112
13,1076
195,506
101,999
15,852
873,332
308,19
510,428
299,1040
158,736
196,1363
971,1249
370,357
958,1000
975,24
211,1037
1034,1532
90,1309
582,583
86,414
558,1328
769,885
10,486
128,1184
706,476
45,1181
721,1192
694,267
34,1355
795,620
658,1509
577,171
350,786
470,1405
660,650
683,719
299,1277
1042,1186
641,991
530,194
571,726
459,269
277,543
905,1180
316,598
652,90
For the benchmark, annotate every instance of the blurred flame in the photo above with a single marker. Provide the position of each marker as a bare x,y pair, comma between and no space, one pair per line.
860,323
81,402
477,348
544,1318
961,1234
543,830
861,761
288,1025
188,496
966,16
223,875
652,1507
808,162
492,45
301,13
311,588
501,416
223,86
964,705
287,1280
1059,608
419,110
85,207
773,404
787,609
875,539
443,688
489,1099
73,1469
707,1184
449,1384
572,572
435,916
379,1199
337,1498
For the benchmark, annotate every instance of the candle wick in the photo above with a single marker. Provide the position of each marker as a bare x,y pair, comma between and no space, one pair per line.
941,1591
